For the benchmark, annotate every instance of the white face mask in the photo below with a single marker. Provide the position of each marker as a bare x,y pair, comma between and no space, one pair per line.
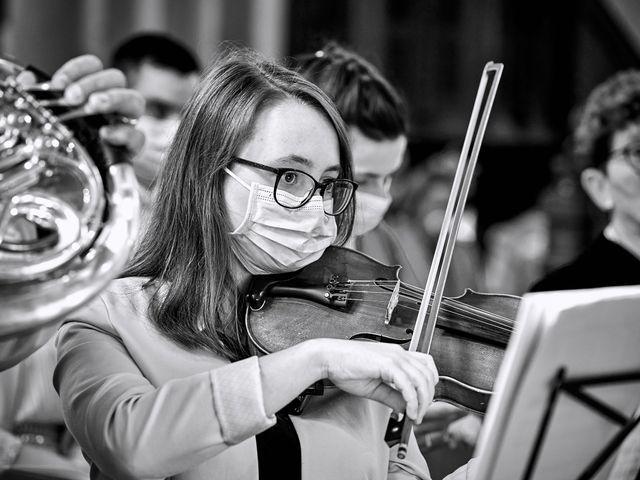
370,210
274,239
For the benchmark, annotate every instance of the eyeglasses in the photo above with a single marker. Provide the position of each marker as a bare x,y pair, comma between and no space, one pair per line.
294,188
631,153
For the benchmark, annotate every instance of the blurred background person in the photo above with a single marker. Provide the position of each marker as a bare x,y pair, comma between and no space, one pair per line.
607,147
420,198
516,251
377,121
165,72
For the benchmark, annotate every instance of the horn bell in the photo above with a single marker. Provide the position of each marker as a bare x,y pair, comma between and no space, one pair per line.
68,214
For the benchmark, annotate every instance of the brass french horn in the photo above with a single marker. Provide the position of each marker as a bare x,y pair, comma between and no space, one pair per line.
68,213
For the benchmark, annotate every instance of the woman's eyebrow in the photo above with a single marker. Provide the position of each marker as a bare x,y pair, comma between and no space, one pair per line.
297,159
303,161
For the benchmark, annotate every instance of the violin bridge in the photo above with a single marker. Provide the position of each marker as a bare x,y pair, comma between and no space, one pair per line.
393,301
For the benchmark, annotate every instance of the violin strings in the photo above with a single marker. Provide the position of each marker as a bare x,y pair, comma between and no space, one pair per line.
473,310
478,321
462,311
477,315
454,303
445,308
469,312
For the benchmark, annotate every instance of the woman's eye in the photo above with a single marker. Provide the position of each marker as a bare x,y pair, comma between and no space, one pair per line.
328,189
289,177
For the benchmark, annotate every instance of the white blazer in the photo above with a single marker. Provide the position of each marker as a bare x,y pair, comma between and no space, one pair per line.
143,407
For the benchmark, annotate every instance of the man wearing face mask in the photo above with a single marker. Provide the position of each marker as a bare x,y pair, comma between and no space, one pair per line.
165,73
377,121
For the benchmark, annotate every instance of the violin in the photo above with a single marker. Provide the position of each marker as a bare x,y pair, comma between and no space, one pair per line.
349,295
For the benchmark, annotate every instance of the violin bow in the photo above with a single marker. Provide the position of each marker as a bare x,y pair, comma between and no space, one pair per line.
423,331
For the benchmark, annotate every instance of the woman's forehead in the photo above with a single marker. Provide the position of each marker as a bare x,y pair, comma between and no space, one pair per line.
293,129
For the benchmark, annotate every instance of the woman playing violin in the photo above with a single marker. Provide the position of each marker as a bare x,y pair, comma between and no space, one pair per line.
157,376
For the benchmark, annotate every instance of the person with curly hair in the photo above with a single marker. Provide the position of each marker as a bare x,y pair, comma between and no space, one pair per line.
607,147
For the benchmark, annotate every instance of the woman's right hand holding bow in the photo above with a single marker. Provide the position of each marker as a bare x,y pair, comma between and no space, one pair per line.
404,381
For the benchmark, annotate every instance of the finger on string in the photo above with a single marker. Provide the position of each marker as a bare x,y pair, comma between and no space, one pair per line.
74,69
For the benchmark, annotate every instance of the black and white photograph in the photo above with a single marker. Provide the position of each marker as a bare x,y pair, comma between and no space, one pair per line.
319,240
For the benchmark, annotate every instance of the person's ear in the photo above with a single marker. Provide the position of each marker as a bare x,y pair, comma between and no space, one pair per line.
595,182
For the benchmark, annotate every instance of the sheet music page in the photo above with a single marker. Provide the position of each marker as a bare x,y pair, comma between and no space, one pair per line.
587,332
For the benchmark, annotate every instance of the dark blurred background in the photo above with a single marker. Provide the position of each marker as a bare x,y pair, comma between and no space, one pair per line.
554,53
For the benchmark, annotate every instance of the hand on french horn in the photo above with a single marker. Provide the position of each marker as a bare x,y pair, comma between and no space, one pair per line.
92,89
71,223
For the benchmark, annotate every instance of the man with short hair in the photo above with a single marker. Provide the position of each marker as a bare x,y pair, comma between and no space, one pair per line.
165,73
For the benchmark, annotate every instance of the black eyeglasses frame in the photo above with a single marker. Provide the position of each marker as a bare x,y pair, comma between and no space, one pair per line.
321,186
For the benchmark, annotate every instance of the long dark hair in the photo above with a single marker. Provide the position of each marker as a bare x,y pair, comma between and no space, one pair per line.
185,250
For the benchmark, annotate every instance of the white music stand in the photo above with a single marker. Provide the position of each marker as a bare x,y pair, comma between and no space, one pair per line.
568,390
